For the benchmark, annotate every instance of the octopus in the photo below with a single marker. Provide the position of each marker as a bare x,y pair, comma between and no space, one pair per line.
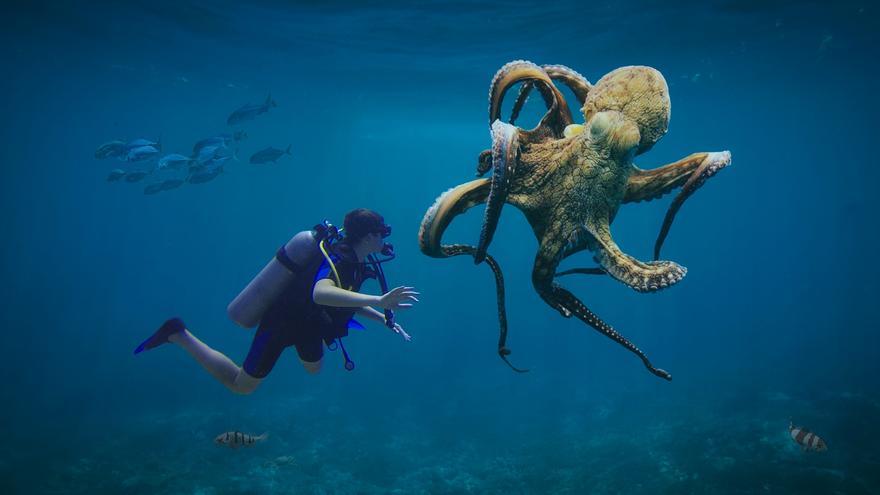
569,180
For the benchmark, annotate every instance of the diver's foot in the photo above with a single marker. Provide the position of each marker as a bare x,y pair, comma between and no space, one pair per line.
167,329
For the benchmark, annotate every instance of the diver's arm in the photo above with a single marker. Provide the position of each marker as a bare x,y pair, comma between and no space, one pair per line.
326,293
372,314
380,317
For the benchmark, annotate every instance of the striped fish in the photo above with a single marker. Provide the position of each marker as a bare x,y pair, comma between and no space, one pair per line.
806,439
236,439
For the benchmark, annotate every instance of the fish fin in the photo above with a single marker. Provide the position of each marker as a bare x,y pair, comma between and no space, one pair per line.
355,325
288,149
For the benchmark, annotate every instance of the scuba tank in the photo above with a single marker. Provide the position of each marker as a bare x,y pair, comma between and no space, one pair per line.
300,256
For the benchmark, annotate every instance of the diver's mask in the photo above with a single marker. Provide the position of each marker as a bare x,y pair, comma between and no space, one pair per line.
387,248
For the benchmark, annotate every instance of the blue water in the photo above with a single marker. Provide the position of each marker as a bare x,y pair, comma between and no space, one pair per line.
385,107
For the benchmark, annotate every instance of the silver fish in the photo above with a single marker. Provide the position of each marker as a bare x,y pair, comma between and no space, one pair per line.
219,140
202,176
808,440
174,161
236,439
214,155
115,175
172,184
208,152
141,153
111,149
219,160
137,143
269,154
249,112
153,188
136,176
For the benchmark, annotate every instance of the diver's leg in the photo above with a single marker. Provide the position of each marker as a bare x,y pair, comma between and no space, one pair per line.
216,363
311,354
312,367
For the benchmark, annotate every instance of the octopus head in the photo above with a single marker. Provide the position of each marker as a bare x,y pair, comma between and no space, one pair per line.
640,94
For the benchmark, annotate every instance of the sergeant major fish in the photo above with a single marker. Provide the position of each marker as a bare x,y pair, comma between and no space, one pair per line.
269,154
249,112
236,439
808,440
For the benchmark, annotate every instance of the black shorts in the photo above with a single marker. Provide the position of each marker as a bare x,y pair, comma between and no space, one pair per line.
272,338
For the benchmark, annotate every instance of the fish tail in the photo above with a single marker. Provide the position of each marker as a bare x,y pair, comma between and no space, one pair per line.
270,102
235,155
264,436
288,149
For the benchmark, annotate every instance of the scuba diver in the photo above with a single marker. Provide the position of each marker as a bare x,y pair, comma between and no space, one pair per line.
305,297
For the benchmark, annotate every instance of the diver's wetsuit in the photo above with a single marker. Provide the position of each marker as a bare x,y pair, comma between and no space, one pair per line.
295,320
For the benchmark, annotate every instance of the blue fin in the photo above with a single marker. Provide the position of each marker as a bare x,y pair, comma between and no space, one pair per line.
355,325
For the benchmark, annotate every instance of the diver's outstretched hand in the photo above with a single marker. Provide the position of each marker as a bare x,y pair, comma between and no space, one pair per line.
397,298
399,330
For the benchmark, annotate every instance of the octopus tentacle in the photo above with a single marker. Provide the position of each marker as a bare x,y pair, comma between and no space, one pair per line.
583,313
571,78
520,101
503,350
484,162
505,150
569,305
650,184
558,114
583,271
576,82
708,167
638,275
449,205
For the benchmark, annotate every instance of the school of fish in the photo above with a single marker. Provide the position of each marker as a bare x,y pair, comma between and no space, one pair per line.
143,159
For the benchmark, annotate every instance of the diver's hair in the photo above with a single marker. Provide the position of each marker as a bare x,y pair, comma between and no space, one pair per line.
360,222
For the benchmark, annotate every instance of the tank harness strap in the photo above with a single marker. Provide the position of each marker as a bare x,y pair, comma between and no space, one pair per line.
281,256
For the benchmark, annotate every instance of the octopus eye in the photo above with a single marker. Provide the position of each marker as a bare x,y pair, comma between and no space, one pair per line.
572,130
